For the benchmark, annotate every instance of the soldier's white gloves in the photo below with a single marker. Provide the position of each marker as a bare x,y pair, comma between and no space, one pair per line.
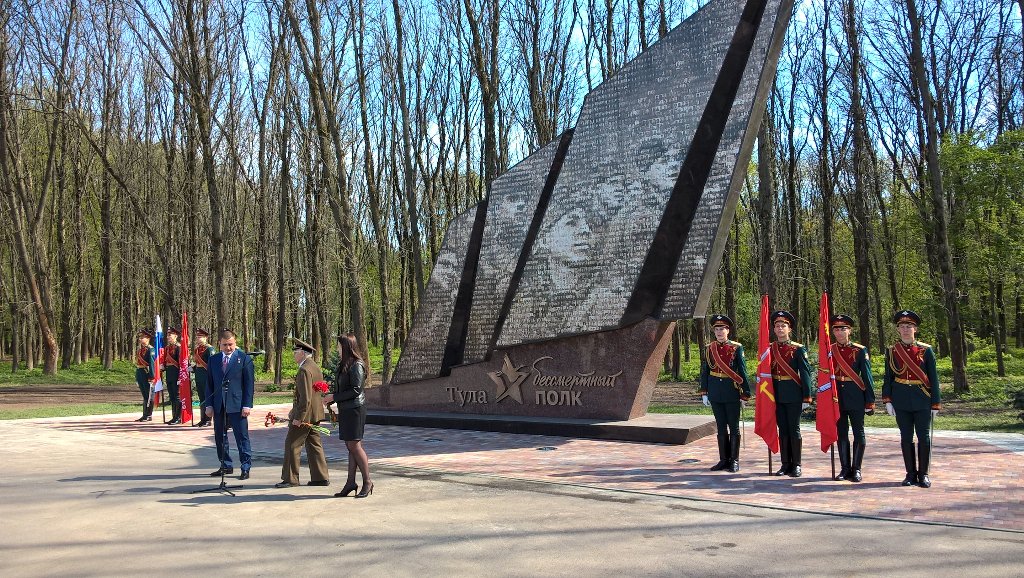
704,399
804,406
889,409
935,412
743,403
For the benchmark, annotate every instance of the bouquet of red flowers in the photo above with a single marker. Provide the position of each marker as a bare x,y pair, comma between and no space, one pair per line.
272,419
321,387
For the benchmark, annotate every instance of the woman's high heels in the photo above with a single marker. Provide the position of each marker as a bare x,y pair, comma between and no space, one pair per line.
366,491
348,489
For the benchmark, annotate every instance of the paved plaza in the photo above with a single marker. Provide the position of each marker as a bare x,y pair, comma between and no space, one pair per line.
104,495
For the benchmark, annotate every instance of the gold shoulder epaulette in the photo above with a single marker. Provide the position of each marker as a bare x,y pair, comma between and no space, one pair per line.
735,343
795,344
857,345
923,344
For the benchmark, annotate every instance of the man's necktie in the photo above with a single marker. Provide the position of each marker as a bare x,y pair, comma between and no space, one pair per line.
224,368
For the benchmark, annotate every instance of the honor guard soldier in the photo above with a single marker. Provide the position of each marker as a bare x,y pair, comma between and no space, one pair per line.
724,387
910,391
201,361
852,366
791,375
145,359
169,357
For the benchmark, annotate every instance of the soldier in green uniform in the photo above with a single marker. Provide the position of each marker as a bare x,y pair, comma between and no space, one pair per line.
910,390
852,367
201,360
170,357
791,375
145,359
724,387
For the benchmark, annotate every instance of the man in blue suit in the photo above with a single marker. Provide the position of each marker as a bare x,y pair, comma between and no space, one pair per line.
235,368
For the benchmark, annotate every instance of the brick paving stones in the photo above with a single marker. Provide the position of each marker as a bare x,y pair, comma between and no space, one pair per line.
986,493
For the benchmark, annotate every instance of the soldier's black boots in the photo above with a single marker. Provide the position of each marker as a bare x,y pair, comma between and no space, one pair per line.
795,449
844,459
924,456
723,454
734,453
858,459
784,456
909,463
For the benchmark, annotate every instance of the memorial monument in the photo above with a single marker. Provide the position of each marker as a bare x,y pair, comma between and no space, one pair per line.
555,297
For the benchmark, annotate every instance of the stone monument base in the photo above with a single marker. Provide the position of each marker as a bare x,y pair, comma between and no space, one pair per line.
678,429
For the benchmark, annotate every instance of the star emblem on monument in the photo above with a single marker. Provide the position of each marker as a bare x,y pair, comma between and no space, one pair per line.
509,379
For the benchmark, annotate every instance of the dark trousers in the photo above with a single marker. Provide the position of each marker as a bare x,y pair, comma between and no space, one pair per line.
173,394
239,425
727,417
914,421
201,377
142,379
788,417
854,419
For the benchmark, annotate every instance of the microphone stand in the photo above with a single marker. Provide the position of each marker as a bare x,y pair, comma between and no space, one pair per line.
223,487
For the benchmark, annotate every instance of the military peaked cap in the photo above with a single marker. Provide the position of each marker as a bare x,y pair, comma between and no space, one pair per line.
841,320
300,344
722,320
784,315
906,316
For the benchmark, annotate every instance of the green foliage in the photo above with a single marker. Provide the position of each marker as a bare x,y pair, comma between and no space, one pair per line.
88,373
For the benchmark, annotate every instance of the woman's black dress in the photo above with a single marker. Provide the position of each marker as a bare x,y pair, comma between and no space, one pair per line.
348,393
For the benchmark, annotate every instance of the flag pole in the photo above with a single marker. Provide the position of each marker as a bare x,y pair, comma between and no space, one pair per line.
769,461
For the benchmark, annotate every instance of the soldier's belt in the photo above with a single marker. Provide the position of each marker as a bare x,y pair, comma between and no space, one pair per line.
782,378
908,381
721,375
845,381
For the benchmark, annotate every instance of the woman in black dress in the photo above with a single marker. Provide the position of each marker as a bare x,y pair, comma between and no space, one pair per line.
349,379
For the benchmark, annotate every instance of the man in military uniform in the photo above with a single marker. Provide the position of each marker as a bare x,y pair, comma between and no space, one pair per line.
307,409
725,388
145,358
201,361
791,375
910,390
169,362
852,367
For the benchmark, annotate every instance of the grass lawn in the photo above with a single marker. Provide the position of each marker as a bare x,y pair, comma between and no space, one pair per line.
73,409
986,407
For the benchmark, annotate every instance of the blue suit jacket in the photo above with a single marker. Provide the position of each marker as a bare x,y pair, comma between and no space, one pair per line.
241,377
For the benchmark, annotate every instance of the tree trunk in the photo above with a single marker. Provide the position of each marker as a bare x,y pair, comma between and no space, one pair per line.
938,205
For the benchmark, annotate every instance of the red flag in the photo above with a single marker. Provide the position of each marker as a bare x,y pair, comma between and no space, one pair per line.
184,378
765,424
827,413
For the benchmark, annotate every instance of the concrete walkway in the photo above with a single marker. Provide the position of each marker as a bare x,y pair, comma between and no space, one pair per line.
104,495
